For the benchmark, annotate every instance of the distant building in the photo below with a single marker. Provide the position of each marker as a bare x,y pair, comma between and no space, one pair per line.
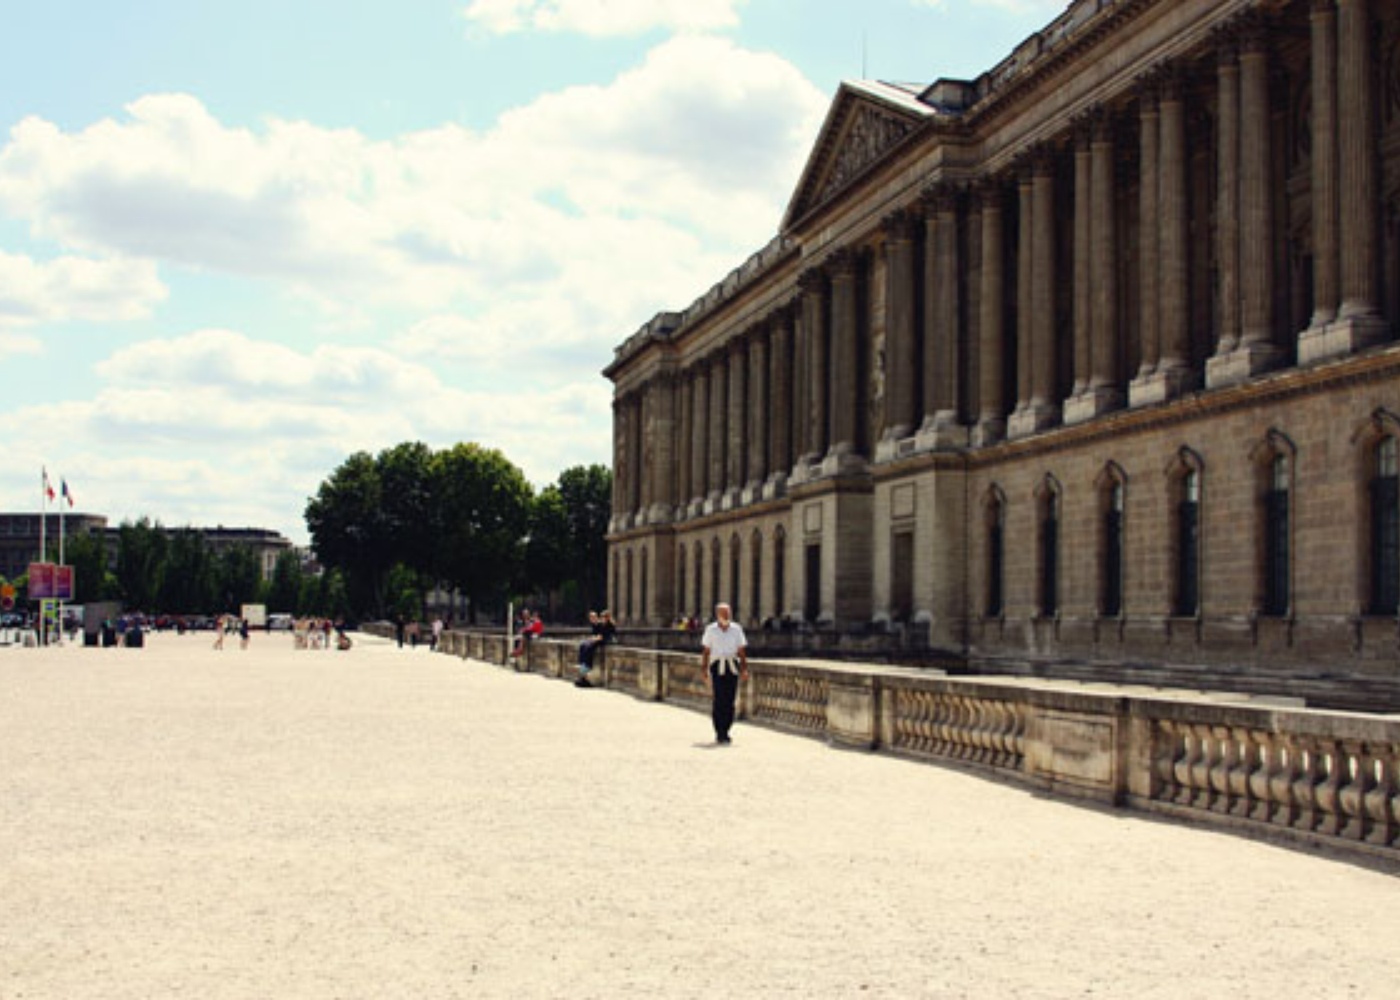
19,539
1091,358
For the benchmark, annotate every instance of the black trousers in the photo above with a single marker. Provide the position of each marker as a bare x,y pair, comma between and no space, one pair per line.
725,687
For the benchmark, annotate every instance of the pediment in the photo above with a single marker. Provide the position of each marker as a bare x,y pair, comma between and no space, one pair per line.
866,121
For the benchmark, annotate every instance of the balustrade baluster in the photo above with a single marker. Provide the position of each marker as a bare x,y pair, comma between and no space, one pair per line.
1305,786
1289,765
1167,752
1327,794
1183,767
1246,761
1261,778
1208,751
1351,799
1227,760
1381,799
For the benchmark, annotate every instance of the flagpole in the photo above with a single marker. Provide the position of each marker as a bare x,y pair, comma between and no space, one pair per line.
43,513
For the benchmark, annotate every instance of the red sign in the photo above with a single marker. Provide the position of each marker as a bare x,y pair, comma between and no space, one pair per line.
48,582
63,583
41,581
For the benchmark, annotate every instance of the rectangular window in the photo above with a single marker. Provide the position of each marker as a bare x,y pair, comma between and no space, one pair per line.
902,576
812,606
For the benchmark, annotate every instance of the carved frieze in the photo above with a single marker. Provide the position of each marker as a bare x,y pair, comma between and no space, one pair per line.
868,136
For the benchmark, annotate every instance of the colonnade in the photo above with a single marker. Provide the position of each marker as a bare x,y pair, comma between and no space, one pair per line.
1039,289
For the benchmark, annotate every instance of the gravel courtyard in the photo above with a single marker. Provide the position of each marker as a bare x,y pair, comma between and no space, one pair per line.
178,821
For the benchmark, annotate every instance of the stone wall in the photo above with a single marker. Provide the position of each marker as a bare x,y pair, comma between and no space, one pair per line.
1260,767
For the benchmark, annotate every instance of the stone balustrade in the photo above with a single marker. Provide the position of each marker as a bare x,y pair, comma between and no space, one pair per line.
1249,765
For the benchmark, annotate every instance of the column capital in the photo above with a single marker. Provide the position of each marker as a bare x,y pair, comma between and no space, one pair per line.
989,189
901,226
939,198
812,281
1253,30
843,263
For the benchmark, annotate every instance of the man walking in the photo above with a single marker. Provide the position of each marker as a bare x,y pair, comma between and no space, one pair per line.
724,660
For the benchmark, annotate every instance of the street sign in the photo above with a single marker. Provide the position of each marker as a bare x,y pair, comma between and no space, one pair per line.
41,581
7,597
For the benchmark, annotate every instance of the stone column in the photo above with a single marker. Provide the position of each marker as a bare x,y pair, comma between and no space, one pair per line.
684,415
1326,280
1148,257
1228,197
1359,323
1043,408
719,430
1256,352
843,409
781,393
759,412
901,303
700,432
619,462
736,420
1083,282
635,500
1174,374
942,297
1102,391
1024,305
991,423
658,447
815,347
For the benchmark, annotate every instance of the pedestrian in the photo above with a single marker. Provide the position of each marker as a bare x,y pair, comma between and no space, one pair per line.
724,660
604,632
242,633
437,632
399,629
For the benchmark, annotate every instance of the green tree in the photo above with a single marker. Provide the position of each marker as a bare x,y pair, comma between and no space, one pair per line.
407,504
483,514
141,548
239,574
549,553
350,532
284,592
188,584
586,492
87,554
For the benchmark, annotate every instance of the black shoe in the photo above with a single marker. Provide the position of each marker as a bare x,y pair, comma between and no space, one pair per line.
723,740
582,682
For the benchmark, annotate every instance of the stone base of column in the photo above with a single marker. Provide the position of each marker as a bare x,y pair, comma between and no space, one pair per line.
891,447
730,499
989,431
751,493
941,432
659,513
1032,419
1241,364
775,486
1163,385
1092,403
843,460
712,502
1341,337
695,508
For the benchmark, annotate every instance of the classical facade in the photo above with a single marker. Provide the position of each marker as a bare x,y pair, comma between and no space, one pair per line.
1092,357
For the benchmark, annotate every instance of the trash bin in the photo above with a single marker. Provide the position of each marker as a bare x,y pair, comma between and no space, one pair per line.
109,636
135,637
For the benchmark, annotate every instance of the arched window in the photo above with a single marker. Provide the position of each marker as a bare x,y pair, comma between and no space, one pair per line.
736,589
1277,552
697,607
1112,597
756,575
996,554
1187,601
779,570
681,580
1048,497
1385,530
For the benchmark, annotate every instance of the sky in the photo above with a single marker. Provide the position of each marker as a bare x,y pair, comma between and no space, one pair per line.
241,241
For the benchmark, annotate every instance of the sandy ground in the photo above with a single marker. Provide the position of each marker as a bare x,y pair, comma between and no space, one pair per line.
180,822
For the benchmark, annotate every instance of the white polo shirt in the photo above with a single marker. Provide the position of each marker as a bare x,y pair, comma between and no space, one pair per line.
724,645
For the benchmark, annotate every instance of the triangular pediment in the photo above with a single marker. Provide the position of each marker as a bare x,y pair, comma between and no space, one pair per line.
866,121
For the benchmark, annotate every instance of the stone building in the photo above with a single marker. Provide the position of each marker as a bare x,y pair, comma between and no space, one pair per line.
1090,358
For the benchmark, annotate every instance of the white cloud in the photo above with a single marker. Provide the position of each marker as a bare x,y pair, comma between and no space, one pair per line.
596,199
1050,8
14,344
220,427
76,288
602,18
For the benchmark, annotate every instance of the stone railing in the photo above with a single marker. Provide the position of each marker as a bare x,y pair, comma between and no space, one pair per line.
1229,761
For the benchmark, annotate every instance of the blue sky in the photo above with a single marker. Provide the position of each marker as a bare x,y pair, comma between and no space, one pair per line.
239,241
